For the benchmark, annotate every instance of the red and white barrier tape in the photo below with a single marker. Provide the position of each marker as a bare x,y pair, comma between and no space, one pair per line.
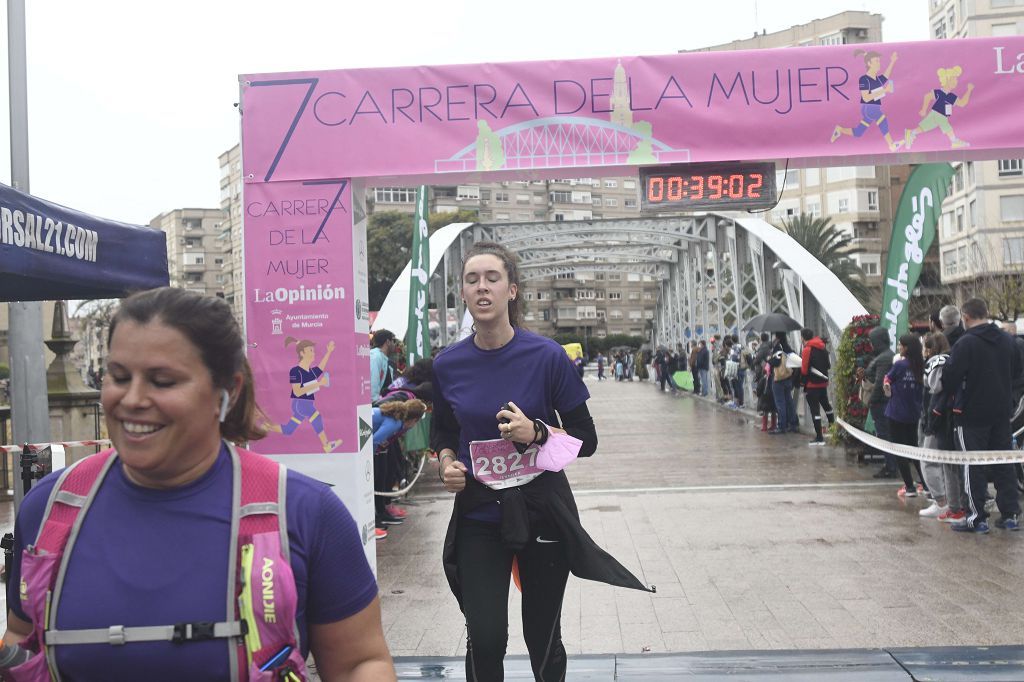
103,442
932,455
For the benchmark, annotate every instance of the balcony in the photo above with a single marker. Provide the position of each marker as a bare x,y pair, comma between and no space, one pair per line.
564,284
573,323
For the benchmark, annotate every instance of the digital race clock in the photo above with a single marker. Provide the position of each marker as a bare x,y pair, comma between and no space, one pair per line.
704,186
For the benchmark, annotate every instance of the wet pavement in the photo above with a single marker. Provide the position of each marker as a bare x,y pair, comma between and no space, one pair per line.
754,542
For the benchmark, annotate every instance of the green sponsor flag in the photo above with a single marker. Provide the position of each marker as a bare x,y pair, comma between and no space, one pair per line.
913,231
417,334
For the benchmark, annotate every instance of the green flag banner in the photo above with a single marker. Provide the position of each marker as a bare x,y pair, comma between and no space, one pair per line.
913,231
417,334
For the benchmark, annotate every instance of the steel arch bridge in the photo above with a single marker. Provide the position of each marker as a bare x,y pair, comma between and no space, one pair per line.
562,141
715,270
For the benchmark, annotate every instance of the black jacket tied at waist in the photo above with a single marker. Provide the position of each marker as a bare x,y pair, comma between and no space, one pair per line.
546,499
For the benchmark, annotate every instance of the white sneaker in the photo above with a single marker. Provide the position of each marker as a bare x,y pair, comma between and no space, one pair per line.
933,511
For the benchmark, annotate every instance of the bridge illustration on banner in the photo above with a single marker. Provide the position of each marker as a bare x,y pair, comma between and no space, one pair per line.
561,141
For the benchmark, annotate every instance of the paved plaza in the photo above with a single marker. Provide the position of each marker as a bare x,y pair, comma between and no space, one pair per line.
754,542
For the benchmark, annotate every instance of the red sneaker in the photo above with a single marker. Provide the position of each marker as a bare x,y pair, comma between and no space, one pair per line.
380,533
395,510
953,517
903,492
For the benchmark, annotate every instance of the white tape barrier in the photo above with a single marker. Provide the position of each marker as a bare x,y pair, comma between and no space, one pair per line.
33,447
933,455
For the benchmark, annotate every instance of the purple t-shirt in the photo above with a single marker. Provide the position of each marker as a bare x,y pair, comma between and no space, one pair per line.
531,371
159,557
944,102
300,376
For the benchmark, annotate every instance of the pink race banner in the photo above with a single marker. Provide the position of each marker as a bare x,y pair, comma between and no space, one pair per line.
310,364
835,105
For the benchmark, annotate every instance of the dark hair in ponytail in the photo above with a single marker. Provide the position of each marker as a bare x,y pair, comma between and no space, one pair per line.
511,263
207,322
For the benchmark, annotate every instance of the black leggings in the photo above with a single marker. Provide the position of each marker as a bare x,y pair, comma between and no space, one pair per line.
818,397
905,434
485,566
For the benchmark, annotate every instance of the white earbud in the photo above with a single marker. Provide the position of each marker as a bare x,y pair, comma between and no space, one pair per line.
225,403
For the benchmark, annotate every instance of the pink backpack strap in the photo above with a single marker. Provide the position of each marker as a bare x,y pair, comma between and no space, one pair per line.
73,492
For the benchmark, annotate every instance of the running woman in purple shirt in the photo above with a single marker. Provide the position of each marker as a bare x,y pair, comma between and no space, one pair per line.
306,379
502,363
940,102
873,87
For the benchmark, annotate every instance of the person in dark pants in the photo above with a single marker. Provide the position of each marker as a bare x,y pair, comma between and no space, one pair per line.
782,385
814,370
903,385
874,374
980,373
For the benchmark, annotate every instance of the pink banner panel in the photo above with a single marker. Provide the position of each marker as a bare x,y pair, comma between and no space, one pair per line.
814,105
309,363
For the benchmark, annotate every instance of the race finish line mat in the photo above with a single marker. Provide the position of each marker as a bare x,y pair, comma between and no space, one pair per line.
939,664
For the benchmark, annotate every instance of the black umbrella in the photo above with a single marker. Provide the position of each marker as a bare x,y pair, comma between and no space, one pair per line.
772,322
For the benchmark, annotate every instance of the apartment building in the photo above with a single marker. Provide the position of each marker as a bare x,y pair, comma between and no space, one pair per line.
230,236
860,200
195,249
981,232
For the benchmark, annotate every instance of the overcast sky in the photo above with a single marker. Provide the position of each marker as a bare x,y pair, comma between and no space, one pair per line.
130,103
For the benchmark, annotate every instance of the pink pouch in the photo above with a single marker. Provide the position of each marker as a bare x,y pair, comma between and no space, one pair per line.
558,452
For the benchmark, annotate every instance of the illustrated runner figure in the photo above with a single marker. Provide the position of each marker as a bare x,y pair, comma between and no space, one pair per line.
306,379
941,101
873,87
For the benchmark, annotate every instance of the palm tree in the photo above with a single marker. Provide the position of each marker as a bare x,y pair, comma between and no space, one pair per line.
833,248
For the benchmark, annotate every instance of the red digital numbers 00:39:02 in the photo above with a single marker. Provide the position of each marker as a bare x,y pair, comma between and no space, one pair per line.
704,187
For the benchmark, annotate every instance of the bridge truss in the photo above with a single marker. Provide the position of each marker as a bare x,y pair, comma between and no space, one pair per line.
715,271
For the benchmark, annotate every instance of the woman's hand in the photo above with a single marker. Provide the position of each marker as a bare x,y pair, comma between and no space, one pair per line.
519,428
887,389
453,475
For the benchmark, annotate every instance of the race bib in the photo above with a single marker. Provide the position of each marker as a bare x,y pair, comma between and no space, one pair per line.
498,465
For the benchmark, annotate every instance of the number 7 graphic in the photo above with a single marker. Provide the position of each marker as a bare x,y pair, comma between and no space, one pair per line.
312,83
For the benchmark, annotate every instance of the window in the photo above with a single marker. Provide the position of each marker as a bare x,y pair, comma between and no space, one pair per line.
634,296
485,195
194,258
543,295
394,195
629,184
501,216
635,314
614,276
566,275
870,269
600,314
1011,208
872,200
1013,251
561,197
972,212
218,261
648,314
970,174
844,205
501,197
467,192
630,203
545,315
615,314
522,198
648,295
614,295
949,266
812,177
559,217
947,224
528,295
814,207
1010,167
611,183
958,179
959,219
1002,30
611,203
523,217
836,38
599,294
597,200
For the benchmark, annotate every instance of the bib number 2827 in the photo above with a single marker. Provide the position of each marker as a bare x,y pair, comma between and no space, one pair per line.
497,463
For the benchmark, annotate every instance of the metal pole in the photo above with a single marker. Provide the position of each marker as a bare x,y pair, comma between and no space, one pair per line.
30,411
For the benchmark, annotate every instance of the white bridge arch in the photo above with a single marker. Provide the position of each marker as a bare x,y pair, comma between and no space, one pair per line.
716,270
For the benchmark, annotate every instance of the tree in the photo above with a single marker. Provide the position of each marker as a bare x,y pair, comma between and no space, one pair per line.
389,246
833,248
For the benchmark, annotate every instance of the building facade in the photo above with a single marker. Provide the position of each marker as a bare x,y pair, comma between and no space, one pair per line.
195,248
981,232
230,236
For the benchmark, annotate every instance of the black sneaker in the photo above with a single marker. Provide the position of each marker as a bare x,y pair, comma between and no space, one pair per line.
389,520
1008,522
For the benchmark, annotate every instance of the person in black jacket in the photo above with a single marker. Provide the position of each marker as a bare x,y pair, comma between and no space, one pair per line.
979,374
874,374
952,326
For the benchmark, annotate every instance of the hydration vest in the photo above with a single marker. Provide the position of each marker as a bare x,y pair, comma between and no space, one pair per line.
261,599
